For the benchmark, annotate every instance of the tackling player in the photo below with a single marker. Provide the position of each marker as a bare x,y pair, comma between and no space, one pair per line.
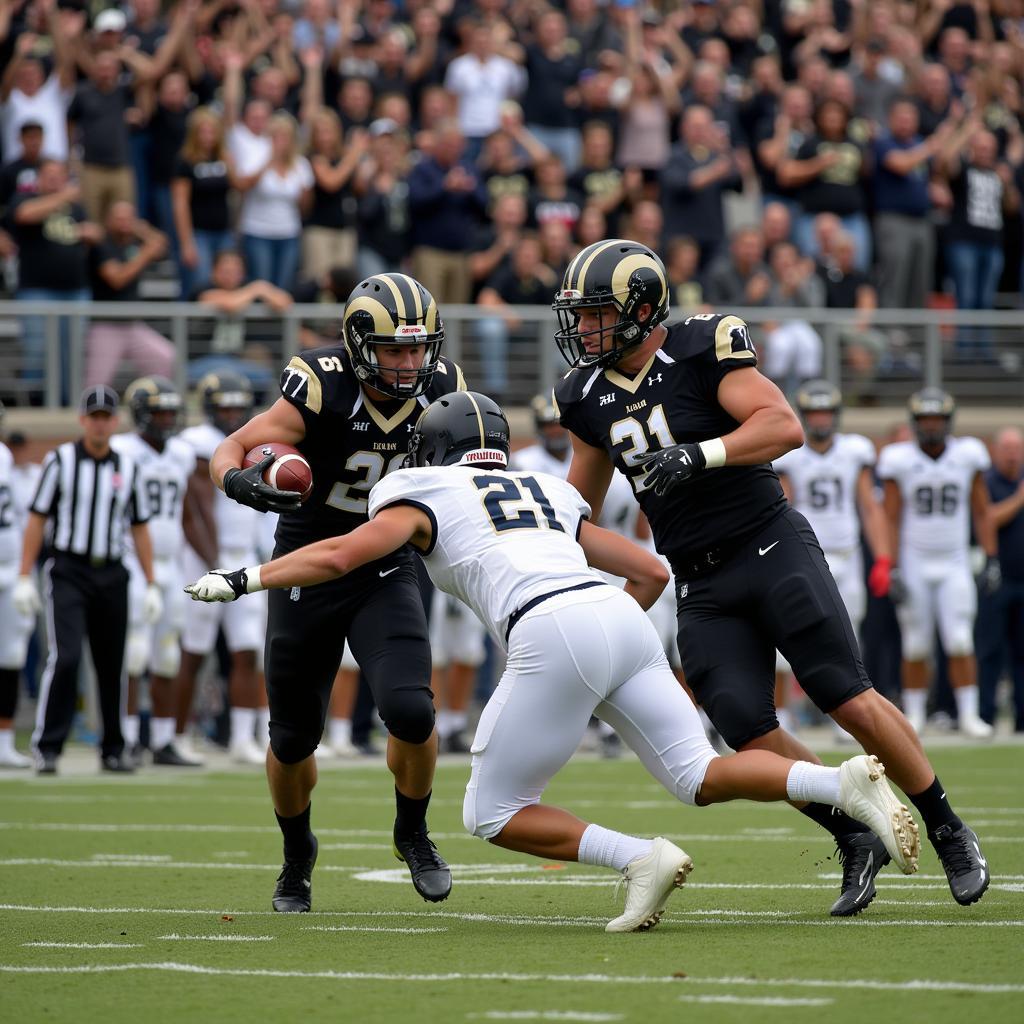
932,486
505,544
350,409
683,411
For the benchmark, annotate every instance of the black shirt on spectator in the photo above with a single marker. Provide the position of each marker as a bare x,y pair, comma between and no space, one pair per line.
838,189
841,289
977,214
520,291
101,116
332,209
209,199
516,184
51,255
544,102
122,253
567,209
167,129
17,180
1011,534
384,222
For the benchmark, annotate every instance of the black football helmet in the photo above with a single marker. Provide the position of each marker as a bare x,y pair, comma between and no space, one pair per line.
227,399
819,396
392,309
931,402
149,395
617,272
553,436
464,428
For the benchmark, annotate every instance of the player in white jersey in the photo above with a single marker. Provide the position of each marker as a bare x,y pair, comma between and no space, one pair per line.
227,531
15,628
503,542
829,479
552,451
166,464
933,489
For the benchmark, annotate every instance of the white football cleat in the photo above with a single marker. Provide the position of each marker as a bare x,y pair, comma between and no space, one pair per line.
247,752
345,749
323,752
12,759
183,745
865,795
976,728
649,883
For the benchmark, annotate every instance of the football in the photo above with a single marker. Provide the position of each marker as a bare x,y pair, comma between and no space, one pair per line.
288,472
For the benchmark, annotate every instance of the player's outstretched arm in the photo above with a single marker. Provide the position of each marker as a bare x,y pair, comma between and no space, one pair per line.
323,561
644,574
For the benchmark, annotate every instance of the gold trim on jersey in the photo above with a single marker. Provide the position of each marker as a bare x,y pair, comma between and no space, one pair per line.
479,419
723,340
460,380
385,424
627,384
314,389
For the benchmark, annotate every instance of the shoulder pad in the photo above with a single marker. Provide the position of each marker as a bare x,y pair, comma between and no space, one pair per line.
722,337
447,378
315,376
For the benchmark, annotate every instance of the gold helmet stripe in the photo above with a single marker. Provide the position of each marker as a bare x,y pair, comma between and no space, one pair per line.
403,303
596,251
415,290
479,418
382,321
624,270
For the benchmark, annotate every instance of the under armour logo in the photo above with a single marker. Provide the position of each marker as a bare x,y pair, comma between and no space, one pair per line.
607,399
651,381
410,427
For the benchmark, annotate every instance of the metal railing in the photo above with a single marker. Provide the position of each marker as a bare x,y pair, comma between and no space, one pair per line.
876,359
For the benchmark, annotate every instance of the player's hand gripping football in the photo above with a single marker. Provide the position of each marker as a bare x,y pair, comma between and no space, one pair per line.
990,579
671,466
247,487
219,585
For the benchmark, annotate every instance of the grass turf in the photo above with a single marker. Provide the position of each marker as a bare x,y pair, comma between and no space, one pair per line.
181,868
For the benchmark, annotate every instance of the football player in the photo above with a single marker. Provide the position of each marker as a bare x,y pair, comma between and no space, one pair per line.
350,409
457,650
15,628
552,451
684,412
219,530
166,465
829,479
505,543
934,488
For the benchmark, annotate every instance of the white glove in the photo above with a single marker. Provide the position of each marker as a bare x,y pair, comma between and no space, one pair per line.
152,604
224,585
25,596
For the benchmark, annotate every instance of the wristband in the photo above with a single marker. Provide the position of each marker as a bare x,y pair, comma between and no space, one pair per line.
714,453
253,583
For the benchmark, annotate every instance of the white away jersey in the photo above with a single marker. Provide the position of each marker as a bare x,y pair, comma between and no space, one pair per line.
825,487
10,526
500,538
936,492
237,525
537,459
165,477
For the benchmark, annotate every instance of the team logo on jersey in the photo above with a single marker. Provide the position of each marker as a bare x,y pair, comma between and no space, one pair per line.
684,590
606,399
652,380
362,427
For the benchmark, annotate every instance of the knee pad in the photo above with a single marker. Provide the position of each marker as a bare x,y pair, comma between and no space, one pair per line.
960,643
167,660
137,652
409,716
289,745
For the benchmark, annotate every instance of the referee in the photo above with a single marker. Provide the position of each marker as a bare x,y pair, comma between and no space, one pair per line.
86,496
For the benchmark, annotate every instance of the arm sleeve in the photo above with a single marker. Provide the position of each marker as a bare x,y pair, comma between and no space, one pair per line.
865,451
726,347
48,489
888,463
138,508
302,387
572,413
980,459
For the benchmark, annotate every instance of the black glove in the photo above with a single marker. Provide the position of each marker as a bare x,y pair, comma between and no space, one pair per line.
671,466
990,579
897,588
246,486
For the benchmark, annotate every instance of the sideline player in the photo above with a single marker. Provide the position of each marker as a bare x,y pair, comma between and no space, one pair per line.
350,409
829,479
165,465
219,533
552,451
684,412
932,486
505,543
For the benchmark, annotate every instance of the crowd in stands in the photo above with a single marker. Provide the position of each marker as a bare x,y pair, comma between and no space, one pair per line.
782,153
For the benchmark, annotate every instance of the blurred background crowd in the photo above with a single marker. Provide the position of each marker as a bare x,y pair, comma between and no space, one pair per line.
791,154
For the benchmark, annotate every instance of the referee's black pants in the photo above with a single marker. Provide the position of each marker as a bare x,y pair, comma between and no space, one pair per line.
82,600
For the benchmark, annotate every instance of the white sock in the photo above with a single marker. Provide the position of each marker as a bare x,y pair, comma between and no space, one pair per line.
161,732
457,721
607,848
966,702
243,726
340,731
813,782
915,703
6,741
130,730
263,726
443,723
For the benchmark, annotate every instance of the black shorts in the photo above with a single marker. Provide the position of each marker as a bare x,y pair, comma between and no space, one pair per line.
382,618
774,591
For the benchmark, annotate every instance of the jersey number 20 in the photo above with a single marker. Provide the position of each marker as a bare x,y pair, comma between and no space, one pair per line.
500,491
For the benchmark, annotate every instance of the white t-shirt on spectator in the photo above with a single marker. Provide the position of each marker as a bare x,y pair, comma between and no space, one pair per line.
49,107
249,152
271,207
481,89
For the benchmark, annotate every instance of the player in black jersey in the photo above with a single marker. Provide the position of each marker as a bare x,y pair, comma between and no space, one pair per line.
350,409
683,412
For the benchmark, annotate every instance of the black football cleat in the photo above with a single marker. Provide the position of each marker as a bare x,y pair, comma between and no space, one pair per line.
119,763
46,764
966,869
134,754
862,855
430,874
457,743
293,893
171,756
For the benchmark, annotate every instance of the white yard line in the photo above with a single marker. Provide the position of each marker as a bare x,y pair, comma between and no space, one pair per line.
174,937
474,978
756,1001
370,928
84,945
570,1015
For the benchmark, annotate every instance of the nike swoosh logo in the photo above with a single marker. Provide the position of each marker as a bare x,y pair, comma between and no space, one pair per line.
388,572
981,860
764,551
866,873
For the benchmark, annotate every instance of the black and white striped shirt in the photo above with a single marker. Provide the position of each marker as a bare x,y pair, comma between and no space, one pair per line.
90,501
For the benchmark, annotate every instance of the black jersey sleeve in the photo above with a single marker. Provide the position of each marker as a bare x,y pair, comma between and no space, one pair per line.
568,395
447,378
312,380
718,344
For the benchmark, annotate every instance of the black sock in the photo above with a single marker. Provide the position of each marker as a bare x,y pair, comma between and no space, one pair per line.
833,820
412,813
298,838
934,808
8,692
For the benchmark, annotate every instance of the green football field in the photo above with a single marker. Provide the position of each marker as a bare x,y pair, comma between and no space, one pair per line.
148,898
